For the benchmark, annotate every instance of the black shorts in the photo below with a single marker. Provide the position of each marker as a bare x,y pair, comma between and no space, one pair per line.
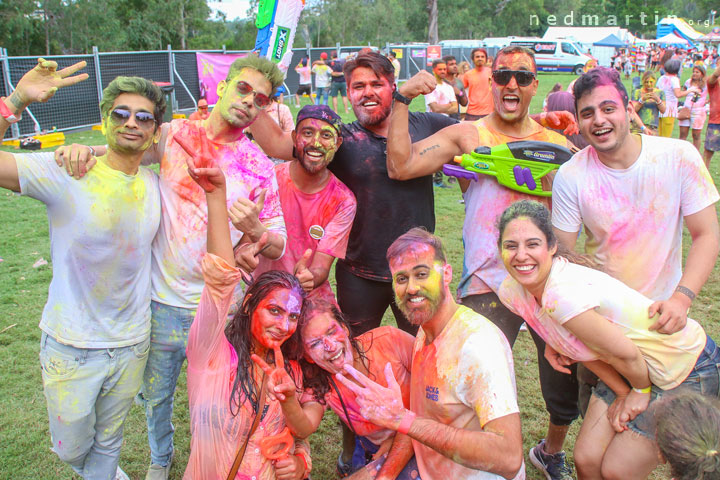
303,90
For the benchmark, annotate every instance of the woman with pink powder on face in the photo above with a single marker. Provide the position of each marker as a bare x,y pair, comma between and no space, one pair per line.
228,361
586,315
328,344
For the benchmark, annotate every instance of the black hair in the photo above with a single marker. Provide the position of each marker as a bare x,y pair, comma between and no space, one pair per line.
238,334
598,77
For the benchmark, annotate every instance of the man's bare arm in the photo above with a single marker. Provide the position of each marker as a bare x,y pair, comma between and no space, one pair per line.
566,239
271,138
497,449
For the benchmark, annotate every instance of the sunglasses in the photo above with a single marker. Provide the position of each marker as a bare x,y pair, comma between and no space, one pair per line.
261,100
201,107
120,116
522,77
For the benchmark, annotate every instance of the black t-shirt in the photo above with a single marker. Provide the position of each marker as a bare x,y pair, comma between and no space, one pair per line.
337,66
386,208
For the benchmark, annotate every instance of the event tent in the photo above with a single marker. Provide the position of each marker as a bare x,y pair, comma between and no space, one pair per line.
671,39
610,41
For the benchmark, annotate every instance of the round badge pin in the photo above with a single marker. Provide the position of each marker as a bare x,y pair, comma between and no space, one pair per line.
317,232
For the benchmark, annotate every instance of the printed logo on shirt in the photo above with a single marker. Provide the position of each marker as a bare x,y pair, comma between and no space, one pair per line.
317,232
432,393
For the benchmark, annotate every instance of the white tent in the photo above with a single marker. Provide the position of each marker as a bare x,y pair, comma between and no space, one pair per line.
671,39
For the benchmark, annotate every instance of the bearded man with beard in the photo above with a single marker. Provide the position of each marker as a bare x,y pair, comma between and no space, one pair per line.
463,418
318,208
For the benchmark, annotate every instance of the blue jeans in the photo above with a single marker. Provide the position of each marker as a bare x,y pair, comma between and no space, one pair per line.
89,393
168,341
324,91
365,449
703,379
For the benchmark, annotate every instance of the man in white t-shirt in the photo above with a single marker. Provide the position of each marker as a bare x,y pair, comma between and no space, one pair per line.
442,99
255,212
632,193
463,419
96,322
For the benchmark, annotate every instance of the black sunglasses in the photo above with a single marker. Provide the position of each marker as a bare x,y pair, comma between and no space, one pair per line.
522,77
121,115
261,100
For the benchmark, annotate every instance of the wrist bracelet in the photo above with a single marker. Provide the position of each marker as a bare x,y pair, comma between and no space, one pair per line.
686,291
406,422
643,390
302,457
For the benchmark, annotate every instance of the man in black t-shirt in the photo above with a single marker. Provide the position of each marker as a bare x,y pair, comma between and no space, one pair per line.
385,208
338,84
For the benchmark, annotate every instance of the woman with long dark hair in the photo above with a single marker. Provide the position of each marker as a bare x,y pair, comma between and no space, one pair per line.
696,103
586,315
228,372
328,344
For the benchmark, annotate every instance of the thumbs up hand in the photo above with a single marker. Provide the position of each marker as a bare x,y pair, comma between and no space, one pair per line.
303,273
245,215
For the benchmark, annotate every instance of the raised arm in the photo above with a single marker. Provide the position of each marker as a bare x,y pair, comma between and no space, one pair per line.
37,85
406,160
271,138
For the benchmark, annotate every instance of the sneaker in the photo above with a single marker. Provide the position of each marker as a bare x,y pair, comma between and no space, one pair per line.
343,469
158,472
555,467
120,475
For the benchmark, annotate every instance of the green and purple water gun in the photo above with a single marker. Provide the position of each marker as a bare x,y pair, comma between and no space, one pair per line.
516,165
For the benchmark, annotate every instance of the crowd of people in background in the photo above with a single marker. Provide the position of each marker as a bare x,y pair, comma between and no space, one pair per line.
223,259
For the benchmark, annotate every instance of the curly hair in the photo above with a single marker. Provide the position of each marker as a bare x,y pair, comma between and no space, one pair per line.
238,334
314,377
688,435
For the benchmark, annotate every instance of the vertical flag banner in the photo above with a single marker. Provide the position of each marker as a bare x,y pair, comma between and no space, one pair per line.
276,23
212,69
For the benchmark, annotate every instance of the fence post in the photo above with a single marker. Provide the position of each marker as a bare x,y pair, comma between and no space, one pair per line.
98,74
6,74
171,65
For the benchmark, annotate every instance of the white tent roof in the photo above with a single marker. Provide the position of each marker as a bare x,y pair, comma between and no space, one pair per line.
587,34
672,39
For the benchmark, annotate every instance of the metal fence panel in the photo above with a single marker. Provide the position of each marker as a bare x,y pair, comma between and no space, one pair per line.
78,106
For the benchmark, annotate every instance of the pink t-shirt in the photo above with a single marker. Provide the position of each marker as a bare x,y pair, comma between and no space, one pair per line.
668,84
318,221
212,366
464,378
485,200
572,290
381,345
634,217
714,99
180,243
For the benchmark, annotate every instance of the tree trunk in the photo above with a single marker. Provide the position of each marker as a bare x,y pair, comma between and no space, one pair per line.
432,8
182,25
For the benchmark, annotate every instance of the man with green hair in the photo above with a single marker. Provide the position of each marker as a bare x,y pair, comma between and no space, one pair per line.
255,212
96,322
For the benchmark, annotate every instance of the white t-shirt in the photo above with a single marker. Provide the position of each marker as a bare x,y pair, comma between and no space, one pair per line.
443,94
464,379
668,84
323,75
181,242
101,230
634,217
572,289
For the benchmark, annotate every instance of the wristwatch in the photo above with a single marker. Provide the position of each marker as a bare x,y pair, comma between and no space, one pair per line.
401,98
7,114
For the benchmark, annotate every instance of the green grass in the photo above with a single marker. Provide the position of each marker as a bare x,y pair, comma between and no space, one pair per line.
25,451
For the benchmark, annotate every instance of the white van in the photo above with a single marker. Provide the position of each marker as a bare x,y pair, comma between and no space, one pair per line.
555,55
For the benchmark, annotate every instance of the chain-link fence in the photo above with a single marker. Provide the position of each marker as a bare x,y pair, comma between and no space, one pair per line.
78,107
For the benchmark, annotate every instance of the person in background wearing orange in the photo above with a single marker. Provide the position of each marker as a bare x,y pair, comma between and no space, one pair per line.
203,111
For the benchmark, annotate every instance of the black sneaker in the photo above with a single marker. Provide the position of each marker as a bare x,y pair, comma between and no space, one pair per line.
555,466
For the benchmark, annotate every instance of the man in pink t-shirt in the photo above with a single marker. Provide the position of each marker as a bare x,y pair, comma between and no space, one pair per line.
477,84
319,209
712,134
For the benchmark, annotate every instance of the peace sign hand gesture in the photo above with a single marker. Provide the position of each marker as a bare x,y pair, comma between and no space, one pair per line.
379,405
280,385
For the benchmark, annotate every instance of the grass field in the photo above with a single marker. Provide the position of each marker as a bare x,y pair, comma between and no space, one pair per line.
24,438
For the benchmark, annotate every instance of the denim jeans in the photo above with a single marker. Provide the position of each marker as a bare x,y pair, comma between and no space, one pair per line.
704,379
168,340
89,393
324,91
